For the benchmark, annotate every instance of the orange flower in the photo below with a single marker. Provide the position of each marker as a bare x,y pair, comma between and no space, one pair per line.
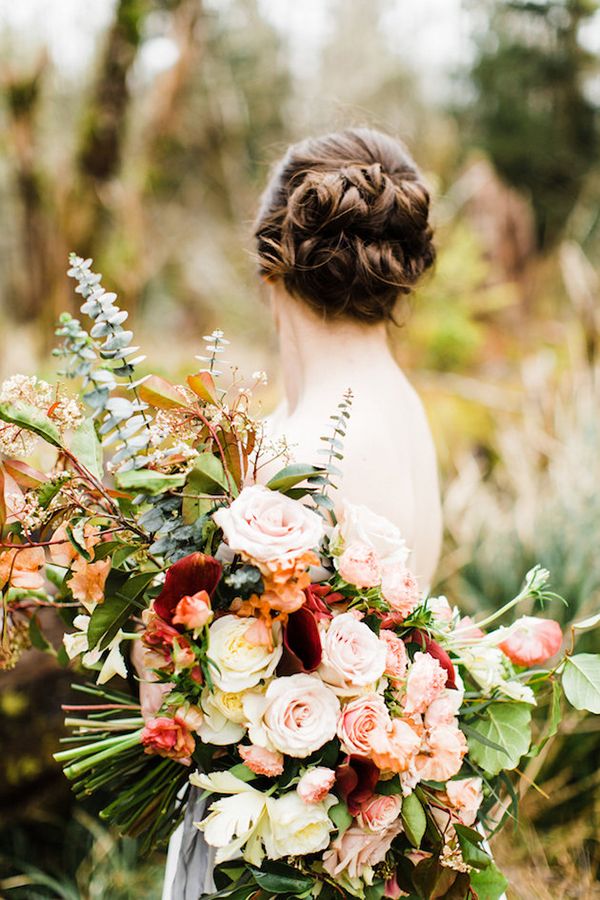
21,568
88,580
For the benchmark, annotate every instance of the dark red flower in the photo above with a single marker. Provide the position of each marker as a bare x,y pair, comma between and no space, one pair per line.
355,780
433,648
301,643
194,573
315,595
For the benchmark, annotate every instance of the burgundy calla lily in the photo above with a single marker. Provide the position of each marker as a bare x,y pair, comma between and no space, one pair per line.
189,575
355,779
433,648
315,596
301,643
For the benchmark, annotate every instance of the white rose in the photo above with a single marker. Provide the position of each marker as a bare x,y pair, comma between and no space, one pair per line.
240,664
223,721
354,658
296,715
265,525
297,828
359,524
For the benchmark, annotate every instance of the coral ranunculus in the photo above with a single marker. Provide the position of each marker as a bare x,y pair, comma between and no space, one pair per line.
531,641
168,737
193,612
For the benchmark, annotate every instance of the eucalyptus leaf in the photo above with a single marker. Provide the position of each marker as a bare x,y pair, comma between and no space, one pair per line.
581,681
29,417
508,727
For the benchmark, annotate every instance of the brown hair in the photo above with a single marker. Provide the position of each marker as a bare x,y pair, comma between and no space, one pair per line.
344,223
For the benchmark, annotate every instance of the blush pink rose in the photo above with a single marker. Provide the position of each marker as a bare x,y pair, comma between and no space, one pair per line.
465,795
315,784
262,761
441,609
396,659
379,812
359,565
425,681
168,737
445,747
532,641
358,848
193,612
358,719
353,655
395,749
401,590
443,709
265,525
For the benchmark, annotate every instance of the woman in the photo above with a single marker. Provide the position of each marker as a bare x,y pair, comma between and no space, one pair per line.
342,232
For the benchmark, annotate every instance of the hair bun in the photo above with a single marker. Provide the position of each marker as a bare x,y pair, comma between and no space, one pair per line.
345,224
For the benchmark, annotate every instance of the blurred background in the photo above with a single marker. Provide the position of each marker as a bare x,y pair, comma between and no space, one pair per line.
140,132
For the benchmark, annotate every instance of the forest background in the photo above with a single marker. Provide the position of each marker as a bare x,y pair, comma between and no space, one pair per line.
140,132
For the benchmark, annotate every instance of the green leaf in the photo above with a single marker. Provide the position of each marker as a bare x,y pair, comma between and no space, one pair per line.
207,476
279,878
147,481
555,714
414,819
292,475
375,891
36,637
390,787
193,508
340,817
581,681
242,772
122,592
489,884
508,727
472,854
75,533
86,447
31,419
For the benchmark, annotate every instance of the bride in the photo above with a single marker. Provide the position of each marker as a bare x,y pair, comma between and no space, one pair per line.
342,233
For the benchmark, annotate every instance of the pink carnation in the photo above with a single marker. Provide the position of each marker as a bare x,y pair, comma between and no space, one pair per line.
396,658
359,565
444,708
395,749
262,761
426,680
315,784
445,747
532,641
465,796
401,590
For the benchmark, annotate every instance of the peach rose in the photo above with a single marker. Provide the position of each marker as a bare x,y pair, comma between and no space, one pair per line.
265,525
358,719
445,747
425,681
358,849
379,812
296,715
167,737
465,795
353,655
395,749
396,659
531,641
401,590
358,565
262,761
193,612
21,568
315,784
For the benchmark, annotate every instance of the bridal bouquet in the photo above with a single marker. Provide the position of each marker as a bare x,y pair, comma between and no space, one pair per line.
351,735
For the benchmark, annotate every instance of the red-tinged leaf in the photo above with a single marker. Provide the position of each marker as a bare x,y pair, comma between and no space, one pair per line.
355,779
2,500
118,495
301,644
433,648
193,573
24,475
161,394
203,385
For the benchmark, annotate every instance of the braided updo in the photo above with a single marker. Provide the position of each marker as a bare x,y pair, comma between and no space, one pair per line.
344,223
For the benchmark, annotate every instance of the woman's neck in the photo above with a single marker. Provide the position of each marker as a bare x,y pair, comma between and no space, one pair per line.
318,353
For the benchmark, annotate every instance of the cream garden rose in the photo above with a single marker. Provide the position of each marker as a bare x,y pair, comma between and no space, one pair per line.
223,721
354,658
296,715
241,664
265,525
297,828
359,525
